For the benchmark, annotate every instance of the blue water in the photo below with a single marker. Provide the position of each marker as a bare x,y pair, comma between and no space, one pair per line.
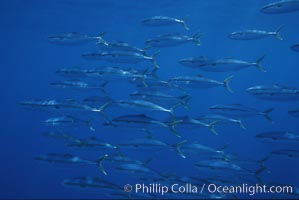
28,64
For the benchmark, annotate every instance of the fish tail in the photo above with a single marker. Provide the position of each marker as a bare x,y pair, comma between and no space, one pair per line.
212,127
88,122
277,33
154,61
239,121
266,114
185,25
145,49
172,127
100,37
258,64
226,83
177,147
99,163
101,111
221,150
262,168
196,39
103,85
171,110
184,100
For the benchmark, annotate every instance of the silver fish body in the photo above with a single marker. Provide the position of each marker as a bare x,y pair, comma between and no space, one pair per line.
163,21
254,34
284,6
170,40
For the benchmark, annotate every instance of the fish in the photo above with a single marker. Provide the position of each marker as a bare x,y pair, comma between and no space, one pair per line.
142,122
189,122
122,57
200,82
240,111
274,92
218,165
60,136
220,118
73,38
137,169
142,105
195,147
155,85
69,120
294,112
121,159
91,142
71,159
119,46
159,97
92,182
163,21
141,143
279,7
279,135
174,39
295,47
221,65
69,104
290,153
97,100
55,104
110,74
253,34
75,72
80,85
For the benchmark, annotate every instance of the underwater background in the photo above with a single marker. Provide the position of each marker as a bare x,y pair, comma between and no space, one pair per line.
29,62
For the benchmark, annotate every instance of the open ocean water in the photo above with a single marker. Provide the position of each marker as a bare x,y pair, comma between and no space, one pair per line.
83,113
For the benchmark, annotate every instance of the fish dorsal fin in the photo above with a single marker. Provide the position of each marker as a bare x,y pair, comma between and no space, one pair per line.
198,75
71,100
93,138
236,104
141,115
202,58
149,135
68,155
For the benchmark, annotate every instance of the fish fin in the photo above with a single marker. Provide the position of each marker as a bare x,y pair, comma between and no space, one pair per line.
148,134
196,38
178,148
226,83
101,34
101,111
266,114
103,88
172,127
183,22
258,63
262,166
88,122
99,163
100,38
146,48
239,121
184,100
221,150
277,33
171,110
154,61
212,127
146,162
